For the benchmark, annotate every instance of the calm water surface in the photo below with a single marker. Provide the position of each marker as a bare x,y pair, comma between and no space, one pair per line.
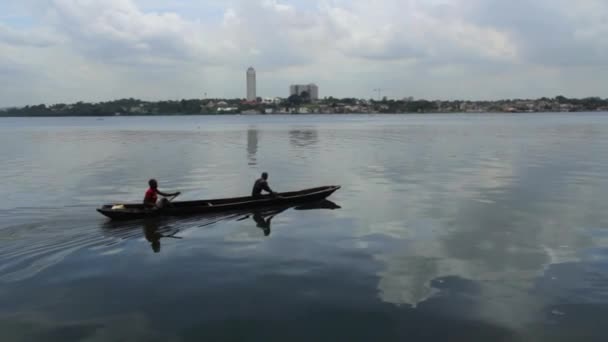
451,228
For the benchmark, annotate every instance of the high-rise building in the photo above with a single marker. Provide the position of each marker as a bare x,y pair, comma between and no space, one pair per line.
299,89
251,85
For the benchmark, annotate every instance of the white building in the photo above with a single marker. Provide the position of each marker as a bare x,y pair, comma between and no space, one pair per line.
227,109
269,100
311,89
251,85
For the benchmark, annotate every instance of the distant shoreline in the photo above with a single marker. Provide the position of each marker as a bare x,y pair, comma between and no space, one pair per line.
295,114
304,105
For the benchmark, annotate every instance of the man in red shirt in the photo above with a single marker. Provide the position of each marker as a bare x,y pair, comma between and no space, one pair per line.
151,196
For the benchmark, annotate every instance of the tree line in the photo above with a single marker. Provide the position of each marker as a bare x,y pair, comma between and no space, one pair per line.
330,104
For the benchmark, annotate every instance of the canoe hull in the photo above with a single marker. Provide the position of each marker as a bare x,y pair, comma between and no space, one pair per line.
137,211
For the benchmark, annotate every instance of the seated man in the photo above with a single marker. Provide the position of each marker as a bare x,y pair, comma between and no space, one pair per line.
261,185
151,197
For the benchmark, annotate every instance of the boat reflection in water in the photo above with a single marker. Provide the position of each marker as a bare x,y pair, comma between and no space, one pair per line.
153,233
263,217
156,229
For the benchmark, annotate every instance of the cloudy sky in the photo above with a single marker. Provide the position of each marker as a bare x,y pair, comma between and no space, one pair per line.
69,50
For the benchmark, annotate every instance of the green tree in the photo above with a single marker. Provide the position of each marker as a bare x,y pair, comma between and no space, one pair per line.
294,100
305,96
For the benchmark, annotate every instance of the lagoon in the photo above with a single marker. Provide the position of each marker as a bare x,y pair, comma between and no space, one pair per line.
450,227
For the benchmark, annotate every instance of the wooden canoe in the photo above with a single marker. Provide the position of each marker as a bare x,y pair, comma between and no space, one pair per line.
138,211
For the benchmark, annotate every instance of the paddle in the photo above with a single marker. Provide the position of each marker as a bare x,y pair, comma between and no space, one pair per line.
174,196
172,235
243,218
166,201
179,193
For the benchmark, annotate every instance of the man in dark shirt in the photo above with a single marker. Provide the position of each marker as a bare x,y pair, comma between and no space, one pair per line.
261,185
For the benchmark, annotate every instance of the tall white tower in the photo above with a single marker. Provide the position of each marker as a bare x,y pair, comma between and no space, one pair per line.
251,85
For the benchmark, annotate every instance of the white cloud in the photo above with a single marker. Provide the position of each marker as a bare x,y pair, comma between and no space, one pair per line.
37,38
116,30
409,30
491,49
561,33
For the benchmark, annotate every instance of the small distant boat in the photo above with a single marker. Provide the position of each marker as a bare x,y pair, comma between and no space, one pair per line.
138,211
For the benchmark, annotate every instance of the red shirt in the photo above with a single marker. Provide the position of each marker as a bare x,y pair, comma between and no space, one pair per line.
151,196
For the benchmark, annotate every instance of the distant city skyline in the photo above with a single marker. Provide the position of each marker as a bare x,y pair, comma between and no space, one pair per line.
70,50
